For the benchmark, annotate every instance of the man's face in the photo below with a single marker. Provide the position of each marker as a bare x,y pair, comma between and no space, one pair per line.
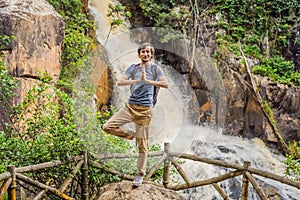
145,54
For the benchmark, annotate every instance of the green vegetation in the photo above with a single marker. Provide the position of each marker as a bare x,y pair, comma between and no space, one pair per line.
263,29
118,14
263,20
5,41
260,28
269,112
44,126
77,42
45,123
278,69
7,85
38,133
172,15
292,161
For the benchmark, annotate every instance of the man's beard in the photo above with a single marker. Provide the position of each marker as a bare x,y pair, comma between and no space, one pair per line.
146,60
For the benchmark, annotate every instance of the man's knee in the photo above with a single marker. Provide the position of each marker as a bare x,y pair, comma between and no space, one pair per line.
106,128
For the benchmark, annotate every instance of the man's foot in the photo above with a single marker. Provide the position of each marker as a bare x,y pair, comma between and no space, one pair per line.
138,180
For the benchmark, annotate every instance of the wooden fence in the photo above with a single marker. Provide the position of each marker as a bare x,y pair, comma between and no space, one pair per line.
167,158
14,174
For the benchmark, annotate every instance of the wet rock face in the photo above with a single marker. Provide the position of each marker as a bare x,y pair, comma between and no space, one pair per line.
285,102
292,52
244,116
125,190
39,33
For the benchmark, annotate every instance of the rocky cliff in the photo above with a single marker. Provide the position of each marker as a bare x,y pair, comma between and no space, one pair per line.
37,47
244,114
39,32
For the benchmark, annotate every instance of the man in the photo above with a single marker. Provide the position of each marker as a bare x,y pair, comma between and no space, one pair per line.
138,110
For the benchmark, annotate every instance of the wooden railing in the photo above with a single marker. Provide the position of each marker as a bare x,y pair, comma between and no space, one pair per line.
166,158
10,178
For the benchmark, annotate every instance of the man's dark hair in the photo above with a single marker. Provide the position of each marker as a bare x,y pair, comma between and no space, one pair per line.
145,45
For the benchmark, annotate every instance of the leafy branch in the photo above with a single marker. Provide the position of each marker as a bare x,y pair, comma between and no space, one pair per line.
118,14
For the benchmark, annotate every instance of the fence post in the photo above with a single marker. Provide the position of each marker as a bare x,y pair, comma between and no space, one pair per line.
245,180
12,190
84,179
166,165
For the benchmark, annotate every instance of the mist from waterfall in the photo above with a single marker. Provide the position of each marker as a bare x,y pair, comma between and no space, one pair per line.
236,150
174,119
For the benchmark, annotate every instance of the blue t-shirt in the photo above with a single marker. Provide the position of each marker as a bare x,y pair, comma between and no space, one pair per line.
141,92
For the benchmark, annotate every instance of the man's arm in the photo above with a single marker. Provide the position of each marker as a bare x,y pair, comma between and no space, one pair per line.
162,82
123,81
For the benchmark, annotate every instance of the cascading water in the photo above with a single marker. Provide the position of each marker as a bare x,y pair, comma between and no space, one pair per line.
174,119
235,150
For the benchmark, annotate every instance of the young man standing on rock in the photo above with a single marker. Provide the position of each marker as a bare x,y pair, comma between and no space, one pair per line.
141,78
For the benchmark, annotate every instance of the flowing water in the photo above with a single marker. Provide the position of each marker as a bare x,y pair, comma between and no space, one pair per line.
174,118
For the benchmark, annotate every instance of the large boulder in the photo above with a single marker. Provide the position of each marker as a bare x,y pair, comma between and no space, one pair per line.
39,33
37,47
124,190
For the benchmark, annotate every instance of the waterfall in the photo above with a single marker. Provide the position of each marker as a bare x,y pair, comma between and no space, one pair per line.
234,150
174,116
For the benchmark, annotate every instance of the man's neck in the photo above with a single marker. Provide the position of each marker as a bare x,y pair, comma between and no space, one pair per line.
146,63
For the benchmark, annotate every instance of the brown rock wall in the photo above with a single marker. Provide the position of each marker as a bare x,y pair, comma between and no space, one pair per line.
285,103
39,33
37,47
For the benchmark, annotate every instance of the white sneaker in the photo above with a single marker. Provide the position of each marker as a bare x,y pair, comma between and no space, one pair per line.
138,180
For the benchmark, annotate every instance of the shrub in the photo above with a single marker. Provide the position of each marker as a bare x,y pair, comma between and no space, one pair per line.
77,43
278,69
292,161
